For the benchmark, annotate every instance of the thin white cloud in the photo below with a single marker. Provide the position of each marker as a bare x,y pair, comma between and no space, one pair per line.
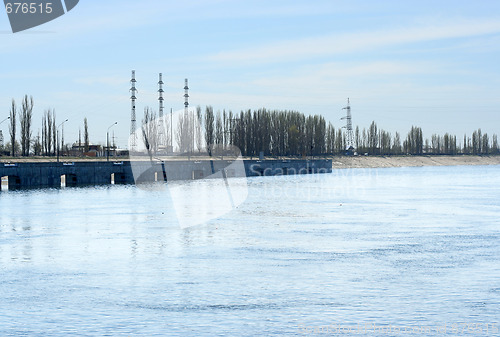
341,71
345,43
115,81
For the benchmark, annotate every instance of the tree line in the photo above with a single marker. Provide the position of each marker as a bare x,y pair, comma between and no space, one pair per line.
46,141
271,132
291,133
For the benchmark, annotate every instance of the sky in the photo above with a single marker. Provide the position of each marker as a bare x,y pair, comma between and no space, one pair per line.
432,64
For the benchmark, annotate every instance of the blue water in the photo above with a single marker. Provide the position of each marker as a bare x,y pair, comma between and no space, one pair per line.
399,247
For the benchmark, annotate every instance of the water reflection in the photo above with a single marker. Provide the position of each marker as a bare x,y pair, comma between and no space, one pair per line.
96,259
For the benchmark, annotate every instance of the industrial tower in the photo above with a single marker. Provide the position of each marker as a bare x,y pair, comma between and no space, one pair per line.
161,122
186,96
133,136
348,126
186,112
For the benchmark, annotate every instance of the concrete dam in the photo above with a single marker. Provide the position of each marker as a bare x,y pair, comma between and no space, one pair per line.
87,173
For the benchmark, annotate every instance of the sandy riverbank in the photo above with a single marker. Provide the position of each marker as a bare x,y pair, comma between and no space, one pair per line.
406,161
338,162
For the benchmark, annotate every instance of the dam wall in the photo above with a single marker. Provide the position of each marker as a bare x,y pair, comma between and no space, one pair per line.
88,173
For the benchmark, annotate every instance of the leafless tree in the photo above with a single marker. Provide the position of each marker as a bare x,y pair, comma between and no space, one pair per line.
150,134
185,132
37,145
12,127
168,133
219,135
209,129
86,134
47,133
26,115
199,122
54,131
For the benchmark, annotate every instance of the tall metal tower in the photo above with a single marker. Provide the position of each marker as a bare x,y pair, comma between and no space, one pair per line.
186,96
186,106
348,126
133,90
161,122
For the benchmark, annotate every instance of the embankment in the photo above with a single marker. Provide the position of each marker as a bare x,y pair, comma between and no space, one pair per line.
80,173
409,161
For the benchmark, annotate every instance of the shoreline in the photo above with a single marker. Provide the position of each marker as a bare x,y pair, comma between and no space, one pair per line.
338,162
412,161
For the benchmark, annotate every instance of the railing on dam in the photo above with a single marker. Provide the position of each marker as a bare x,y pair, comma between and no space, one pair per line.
85,173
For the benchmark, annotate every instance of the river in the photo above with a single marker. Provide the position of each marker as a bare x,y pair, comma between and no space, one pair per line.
378,252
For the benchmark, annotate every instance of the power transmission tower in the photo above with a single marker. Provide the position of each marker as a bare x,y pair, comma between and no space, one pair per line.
161,122
133,135
348,127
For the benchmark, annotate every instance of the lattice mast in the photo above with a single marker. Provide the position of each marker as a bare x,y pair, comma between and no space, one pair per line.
348,126
186,114
186,96
161,122
133,98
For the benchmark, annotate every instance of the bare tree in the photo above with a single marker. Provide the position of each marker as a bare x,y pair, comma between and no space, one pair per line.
209,129
26,115
219,135
48,138
50,133
494,146
396,144
414,143
54,131
199,122
339,141
12,128
86,134
485,146
62,139
168,133
330,138
37,145
185,132
79,141
373,137
150,134
43,135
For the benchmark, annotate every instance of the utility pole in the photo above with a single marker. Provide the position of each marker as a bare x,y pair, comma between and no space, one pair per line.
107,140
171,130
348,126
1,134
161,122
57,131
133,136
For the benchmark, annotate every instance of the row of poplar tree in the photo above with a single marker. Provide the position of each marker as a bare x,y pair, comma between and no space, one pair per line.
291,133
273,132
46,141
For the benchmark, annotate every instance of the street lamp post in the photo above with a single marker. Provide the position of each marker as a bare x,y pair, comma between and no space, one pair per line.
1,135
171,131
4,120
107,140
58,138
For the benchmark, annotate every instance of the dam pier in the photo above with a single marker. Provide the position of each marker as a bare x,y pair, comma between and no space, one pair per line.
21,175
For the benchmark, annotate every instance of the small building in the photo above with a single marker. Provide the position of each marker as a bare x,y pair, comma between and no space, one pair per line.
79,150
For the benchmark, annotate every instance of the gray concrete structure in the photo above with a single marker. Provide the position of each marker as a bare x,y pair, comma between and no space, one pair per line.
53,174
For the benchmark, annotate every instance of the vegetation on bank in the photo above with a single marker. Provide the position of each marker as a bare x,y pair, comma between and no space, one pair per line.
271,132
47,141
291,133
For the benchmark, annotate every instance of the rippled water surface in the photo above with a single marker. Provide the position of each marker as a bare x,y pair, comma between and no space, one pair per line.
406,247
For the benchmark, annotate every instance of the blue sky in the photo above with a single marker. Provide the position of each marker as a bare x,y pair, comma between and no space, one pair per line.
428,63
